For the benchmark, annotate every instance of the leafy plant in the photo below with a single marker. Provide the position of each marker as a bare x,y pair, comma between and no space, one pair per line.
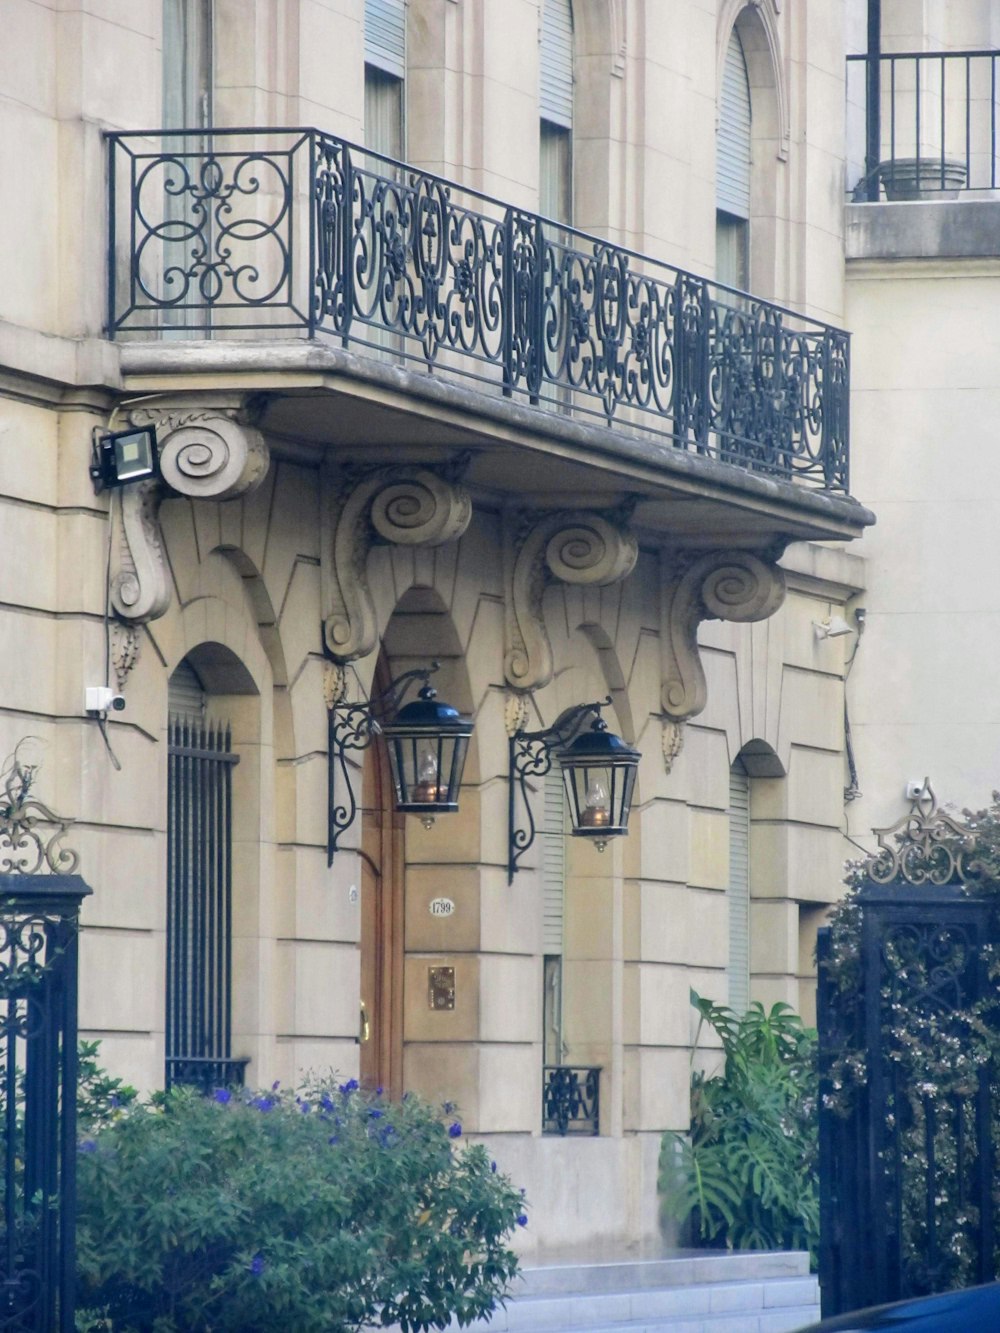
325,1210
745,1175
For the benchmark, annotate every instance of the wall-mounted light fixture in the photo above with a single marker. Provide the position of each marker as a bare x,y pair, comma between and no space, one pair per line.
598,770
123,457
834,628
427,741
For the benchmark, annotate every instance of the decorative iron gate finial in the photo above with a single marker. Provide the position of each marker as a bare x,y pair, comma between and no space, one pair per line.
30,834
926,846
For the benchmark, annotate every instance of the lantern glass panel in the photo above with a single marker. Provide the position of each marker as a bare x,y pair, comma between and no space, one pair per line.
427,769
600,797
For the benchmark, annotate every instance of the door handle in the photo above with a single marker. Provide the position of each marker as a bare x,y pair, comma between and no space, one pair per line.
365,1028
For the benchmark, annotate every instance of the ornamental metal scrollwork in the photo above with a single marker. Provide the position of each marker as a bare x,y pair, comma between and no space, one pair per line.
926,846
720,585
405,506
467,285
575,546
30,834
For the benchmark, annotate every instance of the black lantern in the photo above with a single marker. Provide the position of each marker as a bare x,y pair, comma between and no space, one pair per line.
599,771
124,457
427,744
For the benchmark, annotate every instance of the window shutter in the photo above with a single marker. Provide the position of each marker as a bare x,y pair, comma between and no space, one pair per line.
739,888
185,696
385,36
553,860
556,63
732,144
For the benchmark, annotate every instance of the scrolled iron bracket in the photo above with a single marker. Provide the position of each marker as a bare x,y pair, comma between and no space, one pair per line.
30,834
352,726
926,846
530,756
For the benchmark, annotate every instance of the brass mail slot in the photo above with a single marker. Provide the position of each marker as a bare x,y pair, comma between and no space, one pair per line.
441,987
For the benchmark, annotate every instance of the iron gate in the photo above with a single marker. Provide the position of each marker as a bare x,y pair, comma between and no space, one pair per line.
199,906
40,898
906,1153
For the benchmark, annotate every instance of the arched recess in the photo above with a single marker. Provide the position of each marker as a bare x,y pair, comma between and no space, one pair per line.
757,29
750,904
212,870
404,866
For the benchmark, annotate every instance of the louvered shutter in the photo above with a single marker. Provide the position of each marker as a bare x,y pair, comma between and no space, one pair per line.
739,888
385,36
732,145
553,860
556,63
185,696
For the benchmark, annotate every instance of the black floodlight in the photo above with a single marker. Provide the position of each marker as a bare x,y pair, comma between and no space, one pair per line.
123,457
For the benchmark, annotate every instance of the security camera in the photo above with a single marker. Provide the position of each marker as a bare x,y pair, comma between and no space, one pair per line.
100,699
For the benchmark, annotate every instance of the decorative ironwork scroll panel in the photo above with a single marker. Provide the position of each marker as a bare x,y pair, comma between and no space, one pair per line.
571,1100
294,229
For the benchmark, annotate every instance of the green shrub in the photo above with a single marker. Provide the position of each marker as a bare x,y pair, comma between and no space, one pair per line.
258,1211
745,1176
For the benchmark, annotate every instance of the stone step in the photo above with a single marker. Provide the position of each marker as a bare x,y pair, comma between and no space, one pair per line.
681,1269
681,1293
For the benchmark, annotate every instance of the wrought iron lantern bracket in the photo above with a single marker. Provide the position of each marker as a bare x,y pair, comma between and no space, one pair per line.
352,728
530,755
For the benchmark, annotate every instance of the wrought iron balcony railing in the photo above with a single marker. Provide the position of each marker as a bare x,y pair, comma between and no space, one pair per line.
930,123
238,232
571,1100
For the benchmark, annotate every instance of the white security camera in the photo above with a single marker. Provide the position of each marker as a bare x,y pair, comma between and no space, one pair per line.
100,699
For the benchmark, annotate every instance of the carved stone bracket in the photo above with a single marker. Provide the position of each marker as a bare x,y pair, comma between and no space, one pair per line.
124,651
718,585
211,452
405,506
672,740
574,546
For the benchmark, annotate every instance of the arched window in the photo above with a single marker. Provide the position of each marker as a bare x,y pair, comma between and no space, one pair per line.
200,763
385,71
555,98
732,171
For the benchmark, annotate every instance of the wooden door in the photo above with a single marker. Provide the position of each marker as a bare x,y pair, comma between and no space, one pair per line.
381,1017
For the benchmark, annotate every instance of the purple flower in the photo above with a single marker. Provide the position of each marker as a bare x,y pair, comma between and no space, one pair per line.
276,1085
454,1130
114,1101
87,1145
374,1113
387,1136
378,1092
522,1219
263,1103
350,1086
223,1095
257,1265
448,1108
493,1167
334,1138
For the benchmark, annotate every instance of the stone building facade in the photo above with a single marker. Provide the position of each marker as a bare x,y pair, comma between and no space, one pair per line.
340,502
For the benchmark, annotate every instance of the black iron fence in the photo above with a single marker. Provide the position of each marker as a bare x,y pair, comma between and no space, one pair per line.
930,123
40,897
571,1099
243,231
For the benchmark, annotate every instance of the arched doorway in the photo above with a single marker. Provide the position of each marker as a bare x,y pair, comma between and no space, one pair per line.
382,869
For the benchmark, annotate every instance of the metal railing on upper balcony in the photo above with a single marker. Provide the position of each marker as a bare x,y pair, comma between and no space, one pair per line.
228,232
929,124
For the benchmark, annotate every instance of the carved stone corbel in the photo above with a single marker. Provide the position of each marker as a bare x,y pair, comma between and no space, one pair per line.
719,585
574,546
211,452
404,506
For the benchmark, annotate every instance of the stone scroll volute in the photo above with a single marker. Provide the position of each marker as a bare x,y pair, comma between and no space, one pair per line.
402,506
718,585
573,546
209,452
